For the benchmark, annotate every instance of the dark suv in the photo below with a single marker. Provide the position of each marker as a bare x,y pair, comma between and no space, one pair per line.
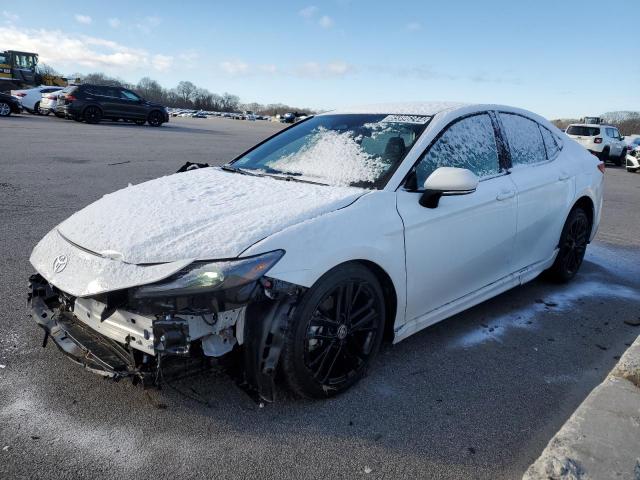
93,103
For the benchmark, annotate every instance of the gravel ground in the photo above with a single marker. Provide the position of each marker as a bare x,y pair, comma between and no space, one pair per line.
476,396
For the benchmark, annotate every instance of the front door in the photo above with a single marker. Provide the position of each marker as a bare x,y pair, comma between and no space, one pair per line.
467,241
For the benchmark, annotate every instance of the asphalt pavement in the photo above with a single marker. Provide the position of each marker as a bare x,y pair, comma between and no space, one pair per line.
476,396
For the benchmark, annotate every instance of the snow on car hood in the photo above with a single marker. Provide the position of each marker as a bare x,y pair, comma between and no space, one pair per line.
201,214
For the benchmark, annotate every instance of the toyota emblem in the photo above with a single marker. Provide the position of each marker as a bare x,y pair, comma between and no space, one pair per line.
59,263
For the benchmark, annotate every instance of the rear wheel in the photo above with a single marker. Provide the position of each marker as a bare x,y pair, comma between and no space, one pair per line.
92,114
572,246
335,334
155,119
604,155
36,109
5,109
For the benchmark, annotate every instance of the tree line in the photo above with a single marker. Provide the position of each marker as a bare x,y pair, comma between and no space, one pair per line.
188,95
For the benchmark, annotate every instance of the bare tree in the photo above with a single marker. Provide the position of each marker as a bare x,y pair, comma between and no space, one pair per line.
151,90
186,90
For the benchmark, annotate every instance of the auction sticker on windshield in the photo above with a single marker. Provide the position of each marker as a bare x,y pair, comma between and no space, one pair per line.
418,119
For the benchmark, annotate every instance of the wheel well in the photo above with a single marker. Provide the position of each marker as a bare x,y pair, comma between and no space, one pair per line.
587,205
390,296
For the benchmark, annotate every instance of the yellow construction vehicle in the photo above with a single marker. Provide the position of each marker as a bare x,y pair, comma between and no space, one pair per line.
20,70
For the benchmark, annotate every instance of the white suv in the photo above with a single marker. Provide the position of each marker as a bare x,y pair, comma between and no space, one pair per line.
604,141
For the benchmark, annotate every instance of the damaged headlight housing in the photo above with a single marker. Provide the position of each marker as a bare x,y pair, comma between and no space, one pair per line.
203,277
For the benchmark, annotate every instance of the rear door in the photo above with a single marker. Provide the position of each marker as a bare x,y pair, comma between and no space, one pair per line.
109,100
465,243
545,188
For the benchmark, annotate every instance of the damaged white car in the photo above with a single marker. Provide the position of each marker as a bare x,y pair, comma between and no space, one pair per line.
305,252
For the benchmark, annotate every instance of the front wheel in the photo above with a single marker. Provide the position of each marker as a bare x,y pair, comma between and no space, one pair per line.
155,119
335,333
572,246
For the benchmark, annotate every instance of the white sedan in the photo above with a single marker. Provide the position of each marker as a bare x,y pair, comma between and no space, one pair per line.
307,251
31,97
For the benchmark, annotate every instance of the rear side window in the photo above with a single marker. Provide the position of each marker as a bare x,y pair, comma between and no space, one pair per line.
469,143
524,139
583,131
550,143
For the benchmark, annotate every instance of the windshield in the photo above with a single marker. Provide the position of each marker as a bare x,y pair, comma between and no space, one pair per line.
357,150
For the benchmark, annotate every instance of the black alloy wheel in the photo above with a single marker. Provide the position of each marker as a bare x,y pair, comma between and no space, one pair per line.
336,332
155,119
92,114
572,246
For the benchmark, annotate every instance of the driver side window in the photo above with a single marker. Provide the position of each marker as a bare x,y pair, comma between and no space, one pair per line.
469,143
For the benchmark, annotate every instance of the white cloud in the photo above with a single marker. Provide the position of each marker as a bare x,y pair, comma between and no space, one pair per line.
320,70
235,67
84,19
65,51
269,68
162,62
326,21
147,24
308,12
414,26
114,22
10,16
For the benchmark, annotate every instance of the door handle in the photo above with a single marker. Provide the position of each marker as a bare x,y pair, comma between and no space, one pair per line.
563,176
505,195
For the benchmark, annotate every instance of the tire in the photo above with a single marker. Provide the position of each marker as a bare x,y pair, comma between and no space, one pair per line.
323,354
36,109
619,161
45,113
140,122
155,119
604,155
573,245
92,114
5,109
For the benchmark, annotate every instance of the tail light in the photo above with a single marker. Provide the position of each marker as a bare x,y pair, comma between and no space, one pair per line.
71,98
51,97
601,167
597,140
21,94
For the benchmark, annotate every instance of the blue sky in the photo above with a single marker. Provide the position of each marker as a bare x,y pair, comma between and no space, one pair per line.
557,58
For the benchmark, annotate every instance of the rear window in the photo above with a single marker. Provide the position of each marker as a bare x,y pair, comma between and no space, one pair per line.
583,131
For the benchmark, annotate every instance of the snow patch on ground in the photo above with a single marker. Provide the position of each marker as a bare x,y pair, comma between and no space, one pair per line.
561,301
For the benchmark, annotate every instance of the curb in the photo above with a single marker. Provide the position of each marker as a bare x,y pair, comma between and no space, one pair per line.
602,438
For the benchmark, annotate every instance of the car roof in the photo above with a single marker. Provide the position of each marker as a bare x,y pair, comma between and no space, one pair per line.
403,108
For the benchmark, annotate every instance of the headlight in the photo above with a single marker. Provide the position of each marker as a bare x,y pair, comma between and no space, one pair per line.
202,277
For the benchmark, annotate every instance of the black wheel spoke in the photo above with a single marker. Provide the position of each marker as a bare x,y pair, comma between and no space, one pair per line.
341,332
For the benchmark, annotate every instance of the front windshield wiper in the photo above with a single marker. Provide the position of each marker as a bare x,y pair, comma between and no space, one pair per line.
291,178
242,171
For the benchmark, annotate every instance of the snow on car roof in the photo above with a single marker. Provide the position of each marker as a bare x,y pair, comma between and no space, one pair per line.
408,108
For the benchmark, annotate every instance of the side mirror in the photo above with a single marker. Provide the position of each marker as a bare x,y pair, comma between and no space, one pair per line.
447,181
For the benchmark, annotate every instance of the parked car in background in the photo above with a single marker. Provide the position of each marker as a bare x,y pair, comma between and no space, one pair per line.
632,141
48,102
288,118
307,250
93,103
604,141
31,98
9,104
633,153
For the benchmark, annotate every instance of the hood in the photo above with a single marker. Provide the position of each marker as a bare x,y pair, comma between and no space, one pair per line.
202,214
